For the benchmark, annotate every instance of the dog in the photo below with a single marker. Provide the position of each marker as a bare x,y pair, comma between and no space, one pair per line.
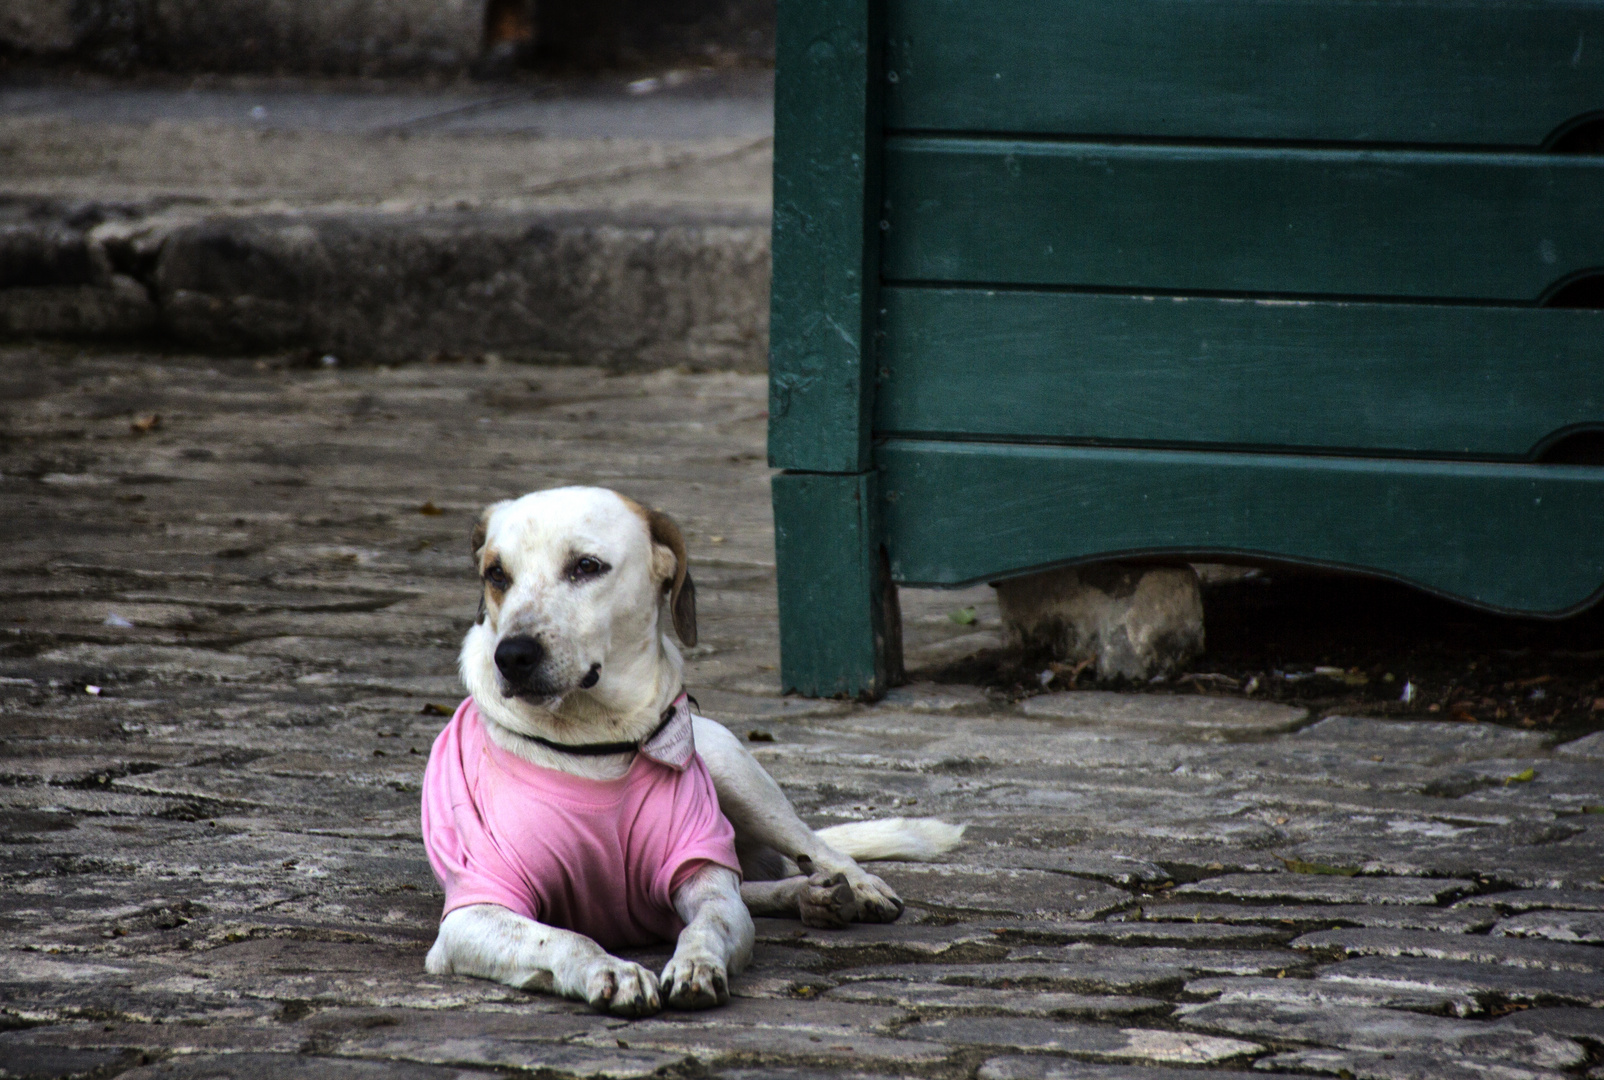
576,804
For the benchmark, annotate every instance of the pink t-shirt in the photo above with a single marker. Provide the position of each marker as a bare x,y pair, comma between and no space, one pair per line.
599,857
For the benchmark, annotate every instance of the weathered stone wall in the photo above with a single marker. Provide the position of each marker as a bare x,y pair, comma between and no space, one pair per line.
378,36
326,36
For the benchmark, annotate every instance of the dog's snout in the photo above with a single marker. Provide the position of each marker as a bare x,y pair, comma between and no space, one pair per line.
518,657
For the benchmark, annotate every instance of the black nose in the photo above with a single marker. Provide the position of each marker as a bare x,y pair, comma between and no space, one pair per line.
518,657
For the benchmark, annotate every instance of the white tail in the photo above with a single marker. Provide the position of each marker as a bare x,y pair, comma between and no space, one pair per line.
918,839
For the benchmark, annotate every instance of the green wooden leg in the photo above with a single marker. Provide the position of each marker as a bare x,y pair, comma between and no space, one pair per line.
840,630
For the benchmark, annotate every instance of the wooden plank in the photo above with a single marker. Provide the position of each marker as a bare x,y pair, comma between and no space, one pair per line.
1237,219
1406,378
1509,537
826,215
1418,71
840,634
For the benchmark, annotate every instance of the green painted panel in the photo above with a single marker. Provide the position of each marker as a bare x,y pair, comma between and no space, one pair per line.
1236,219
826,191
1511,537
1438,71
1407,378
839,630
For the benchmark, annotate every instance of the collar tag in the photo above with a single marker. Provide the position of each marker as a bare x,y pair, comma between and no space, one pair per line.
675,743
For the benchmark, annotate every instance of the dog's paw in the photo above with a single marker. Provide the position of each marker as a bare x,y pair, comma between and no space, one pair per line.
695,979
826,901
876,901
621,988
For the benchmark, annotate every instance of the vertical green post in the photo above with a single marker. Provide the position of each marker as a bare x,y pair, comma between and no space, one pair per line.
827,139
840,630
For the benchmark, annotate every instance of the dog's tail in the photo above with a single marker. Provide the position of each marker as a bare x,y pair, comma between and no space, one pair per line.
919,839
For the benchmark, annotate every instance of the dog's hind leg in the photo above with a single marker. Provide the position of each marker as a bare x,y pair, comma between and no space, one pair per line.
492,942
762,815
715,944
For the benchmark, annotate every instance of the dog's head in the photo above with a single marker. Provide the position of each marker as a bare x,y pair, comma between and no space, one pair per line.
576,583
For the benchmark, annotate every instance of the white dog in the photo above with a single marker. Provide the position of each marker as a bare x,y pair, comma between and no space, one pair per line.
571,788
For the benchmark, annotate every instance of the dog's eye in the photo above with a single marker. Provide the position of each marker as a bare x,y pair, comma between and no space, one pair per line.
497,577
586,566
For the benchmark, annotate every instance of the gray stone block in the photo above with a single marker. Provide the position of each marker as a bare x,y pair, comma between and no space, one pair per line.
1129,621
1385,1030
1304,917
1585,1024
1317,993
931,698
1579,926
1498,982
1518,900
935,998
1325,888
1197,961
290,1066
1514,952
1100,1043
1408,1065
1118,976
1149,932
1424,742
1589,747
1049,1068
1165,712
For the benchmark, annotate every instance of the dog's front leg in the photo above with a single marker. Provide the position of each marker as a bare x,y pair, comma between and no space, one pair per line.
715,944
491,942
762,814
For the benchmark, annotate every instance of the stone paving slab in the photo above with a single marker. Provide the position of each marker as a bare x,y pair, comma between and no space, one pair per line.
212,867
1352,1027
1098,1043
1326,888
1166,712
1488,982
1320,992
936,998
1299,917
1407,1065
1514,952
1580,926
1046,1068
1539,899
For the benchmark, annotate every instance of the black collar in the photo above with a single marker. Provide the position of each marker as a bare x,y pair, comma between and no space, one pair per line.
603,749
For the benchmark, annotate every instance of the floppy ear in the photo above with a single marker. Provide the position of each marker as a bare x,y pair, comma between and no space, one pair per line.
481,529
682,594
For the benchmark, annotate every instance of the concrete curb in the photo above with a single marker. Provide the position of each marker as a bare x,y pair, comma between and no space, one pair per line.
629,290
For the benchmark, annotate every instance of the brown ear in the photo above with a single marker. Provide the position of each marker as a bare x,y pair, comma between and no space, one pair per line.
481,529
682,595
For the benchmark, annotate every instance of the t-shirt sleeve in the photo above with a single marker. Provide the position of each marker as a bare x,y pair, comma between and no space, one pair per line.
702,833
462,852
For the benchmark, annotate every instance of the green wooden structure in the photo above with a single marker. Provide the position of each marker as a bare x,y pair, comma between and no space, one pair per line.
1061,280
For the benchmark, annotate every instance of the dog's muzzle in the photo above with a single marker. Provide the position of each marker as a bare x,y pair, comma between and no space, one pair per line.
519,659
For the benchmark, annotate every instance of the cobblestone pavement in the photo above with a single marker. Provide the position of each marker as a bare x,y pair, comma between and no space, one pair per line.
229,637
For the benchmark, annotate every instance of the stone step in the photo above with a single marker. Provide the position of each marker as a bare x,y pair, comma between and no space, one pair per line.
565,224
